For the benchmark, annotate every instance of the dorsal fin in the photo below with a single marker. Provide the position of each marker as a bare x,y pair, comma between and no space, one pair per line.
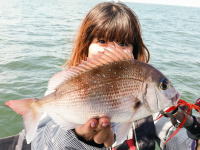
100,59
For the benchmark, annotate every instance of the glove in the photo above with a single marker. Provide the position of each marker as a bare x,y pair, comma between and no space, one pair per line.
178,115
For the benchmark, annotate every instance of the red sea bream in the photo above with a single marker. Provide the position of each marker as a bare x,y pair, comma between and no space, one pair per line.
111,84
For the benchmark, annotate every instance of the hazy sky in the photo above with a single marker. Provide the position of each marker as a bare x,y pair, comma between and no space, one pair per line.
193,3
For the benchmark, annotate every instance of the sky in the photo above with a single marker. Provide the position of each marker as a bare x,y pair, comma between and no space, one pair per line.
189,3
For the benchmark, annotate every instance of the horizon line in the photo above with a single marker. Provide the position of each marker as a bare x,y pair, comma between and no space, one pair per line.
185,3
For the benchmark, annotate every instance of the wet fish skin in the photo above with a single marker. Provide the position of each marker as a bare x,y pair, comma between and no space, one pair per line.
111,90
124,90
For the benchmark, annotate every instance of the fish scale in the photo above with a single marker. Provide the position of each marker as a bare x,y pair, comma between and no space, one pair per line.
110,101
123,89
96,91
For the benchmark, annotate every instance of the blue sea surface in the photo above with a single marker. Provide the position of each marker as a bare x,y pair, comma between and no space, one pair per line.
36,38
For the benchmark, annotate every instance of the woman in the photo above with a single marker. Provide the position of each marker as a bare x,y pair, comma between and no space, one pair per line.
108,25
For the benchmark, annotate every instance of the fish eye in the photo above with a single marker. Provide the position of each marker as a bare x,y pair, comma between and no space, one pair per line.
164,84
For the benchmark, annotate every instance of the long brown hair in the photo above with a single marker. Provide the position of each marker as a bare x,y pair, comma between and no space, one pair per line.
112,22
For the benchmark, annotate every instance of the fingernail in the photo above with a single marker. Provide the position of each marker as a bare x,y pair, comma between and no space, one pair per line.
105,124
93,124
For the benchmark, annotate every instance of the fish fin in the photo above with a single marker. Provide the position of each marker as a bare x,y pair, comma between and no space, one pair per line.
100,59
121,131
55,81
30,114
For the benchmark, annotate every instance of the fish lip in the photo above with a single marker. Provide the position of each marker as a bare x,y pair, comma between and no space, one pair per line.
175,98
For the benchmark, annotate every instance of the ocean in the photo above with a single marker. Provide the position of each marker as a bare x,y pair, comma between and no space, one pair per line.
36,38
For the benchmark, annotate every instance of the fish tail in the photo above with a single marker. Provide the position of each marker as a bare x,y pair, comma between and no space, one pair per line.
30,113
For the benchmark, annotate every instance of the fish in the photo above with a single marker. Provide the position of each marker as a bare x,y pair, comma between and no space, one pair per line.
111,83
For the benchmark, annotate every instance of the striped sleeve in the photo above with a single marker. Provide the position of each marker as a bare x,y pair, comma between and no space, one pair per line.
51,137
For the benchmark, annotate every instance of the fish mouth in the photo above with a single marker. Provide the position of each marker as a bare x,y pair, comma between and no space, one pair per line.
175,98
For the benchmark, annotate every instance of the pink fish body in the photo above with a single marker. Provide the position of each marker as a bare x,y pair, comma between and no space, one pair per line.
110,84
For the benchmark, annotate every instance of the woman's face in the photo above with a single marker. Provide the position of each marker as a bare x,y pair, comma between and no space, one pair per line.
99,45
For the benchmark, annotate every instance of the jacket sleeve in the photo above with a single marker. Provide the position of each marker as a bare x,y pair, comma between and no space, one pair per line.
181,140
193,131
51,136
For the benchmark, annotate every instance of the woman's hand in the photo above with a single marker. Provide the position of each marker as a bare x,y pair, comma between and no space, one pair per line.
98,130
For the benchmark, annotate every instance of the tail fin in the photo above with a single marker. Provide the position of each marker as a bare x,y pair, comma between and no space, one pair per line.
30,113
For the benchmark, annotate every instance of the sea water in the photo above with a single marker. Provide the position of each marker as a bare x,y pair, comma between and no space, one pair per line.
36,38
